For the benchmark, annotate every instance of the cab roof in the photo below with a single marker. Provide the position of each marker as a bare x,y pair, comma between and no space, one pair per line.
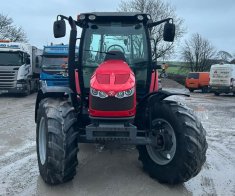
113,17
114,14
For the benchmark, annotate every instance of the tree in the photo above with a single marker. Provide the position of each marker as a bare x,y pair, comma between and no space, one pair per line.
232,61
8,31
158,9
198,52
224,56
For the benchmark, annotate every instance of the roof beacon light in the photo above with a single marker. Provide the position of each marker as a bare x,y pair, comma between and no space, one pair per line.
92,17
140,17
82,17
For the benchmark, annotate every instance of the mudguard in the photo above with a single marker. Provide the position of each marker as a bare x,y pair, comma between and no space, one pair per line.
52,91
145,105
158,96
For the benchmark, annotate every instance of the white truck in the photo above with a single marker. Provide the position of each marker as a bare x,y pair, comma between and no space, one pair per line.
19,67
222,78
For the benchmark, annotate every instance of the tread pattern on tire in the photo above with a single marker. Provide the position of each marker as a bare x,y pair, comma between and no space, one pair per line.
191,151
62,145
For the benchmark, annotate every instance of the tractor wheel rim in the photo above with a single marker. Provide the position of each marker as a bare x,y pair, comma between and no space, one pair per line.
42,141
163,157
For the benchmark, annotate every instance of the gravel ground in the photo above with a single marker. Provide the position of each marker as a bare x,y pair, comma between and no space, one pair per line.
116,171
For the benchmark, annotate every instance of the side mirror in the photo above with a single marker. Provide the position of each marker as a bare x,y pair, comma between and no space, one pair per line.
169,32
59,28
27,60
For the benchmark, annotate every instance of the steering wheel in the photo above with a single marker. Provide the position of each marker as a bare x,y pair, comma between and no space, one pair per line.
116,45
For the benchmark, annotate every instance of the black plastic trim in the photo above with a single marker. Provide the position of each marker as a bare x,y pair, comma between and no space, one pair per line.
56,92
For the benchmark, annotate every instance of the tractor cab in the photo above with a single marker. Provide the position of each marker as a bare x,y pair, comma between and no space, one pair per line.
103,39
104,33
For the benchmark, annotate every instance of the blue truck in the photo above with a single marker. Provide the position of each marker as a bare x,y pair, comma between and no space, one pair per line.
54,66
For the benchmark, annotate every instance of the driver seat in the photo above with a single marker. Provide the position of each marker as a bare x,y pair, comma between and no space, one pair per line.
115,55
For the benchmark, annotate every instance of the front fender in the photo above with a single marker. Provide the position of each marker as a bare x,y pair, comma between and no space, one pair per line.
160,95
144,108
52,91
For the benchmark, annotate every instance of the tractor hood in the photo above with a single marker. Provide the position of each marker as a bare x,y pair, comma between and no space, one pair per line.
113,76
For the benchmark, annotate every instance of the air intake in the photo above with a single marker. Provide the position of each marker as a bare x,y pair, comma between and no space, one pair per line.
121,78
103,78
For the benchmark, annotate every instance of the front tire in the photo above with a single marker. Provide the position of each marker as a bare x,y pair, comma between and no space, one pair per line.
163,75
56,139
28,90
191,90
184,157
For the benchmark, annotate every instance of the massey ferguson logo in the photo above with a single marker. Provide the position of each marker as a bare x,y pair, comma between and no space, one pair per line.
111,93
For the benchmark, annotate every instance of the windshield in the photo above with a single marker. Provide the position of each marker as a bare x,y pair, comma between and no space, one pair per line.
11,58
127,38
193,75
55,62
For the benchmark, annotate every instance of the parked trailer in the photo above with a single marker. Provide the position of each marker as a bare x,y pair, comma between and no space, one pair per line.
222,78
19,67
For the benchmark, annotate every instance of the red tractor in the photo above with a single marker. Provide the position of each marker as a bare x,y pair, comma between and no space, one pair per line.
114,98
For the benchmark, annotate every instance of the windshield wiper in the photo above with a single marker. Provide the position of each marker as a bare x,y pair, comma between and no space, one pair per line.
12,65
8,65
51,67
141,63
102,52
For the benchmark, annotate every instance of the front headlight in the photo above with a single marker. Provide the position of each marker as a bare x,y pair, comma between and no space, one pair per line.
120,95
99,94
43,83
94,92
126,93
19,85
102,95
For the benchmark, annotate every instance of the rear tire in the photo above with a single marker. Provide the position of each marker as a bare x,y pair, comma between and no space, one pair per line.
217,94
188,138
205,89
36,86
56,140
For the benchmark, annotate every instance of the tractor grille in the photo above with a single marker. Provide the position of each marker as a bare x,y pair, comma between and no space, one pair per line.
112,103
7,79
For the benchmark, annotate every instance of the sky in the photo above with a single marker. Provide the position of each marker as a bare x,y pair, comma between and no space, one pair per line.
212,19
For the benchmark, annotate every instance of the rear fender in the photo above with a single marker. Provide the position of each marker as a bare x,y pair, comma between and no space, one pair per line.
56,92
